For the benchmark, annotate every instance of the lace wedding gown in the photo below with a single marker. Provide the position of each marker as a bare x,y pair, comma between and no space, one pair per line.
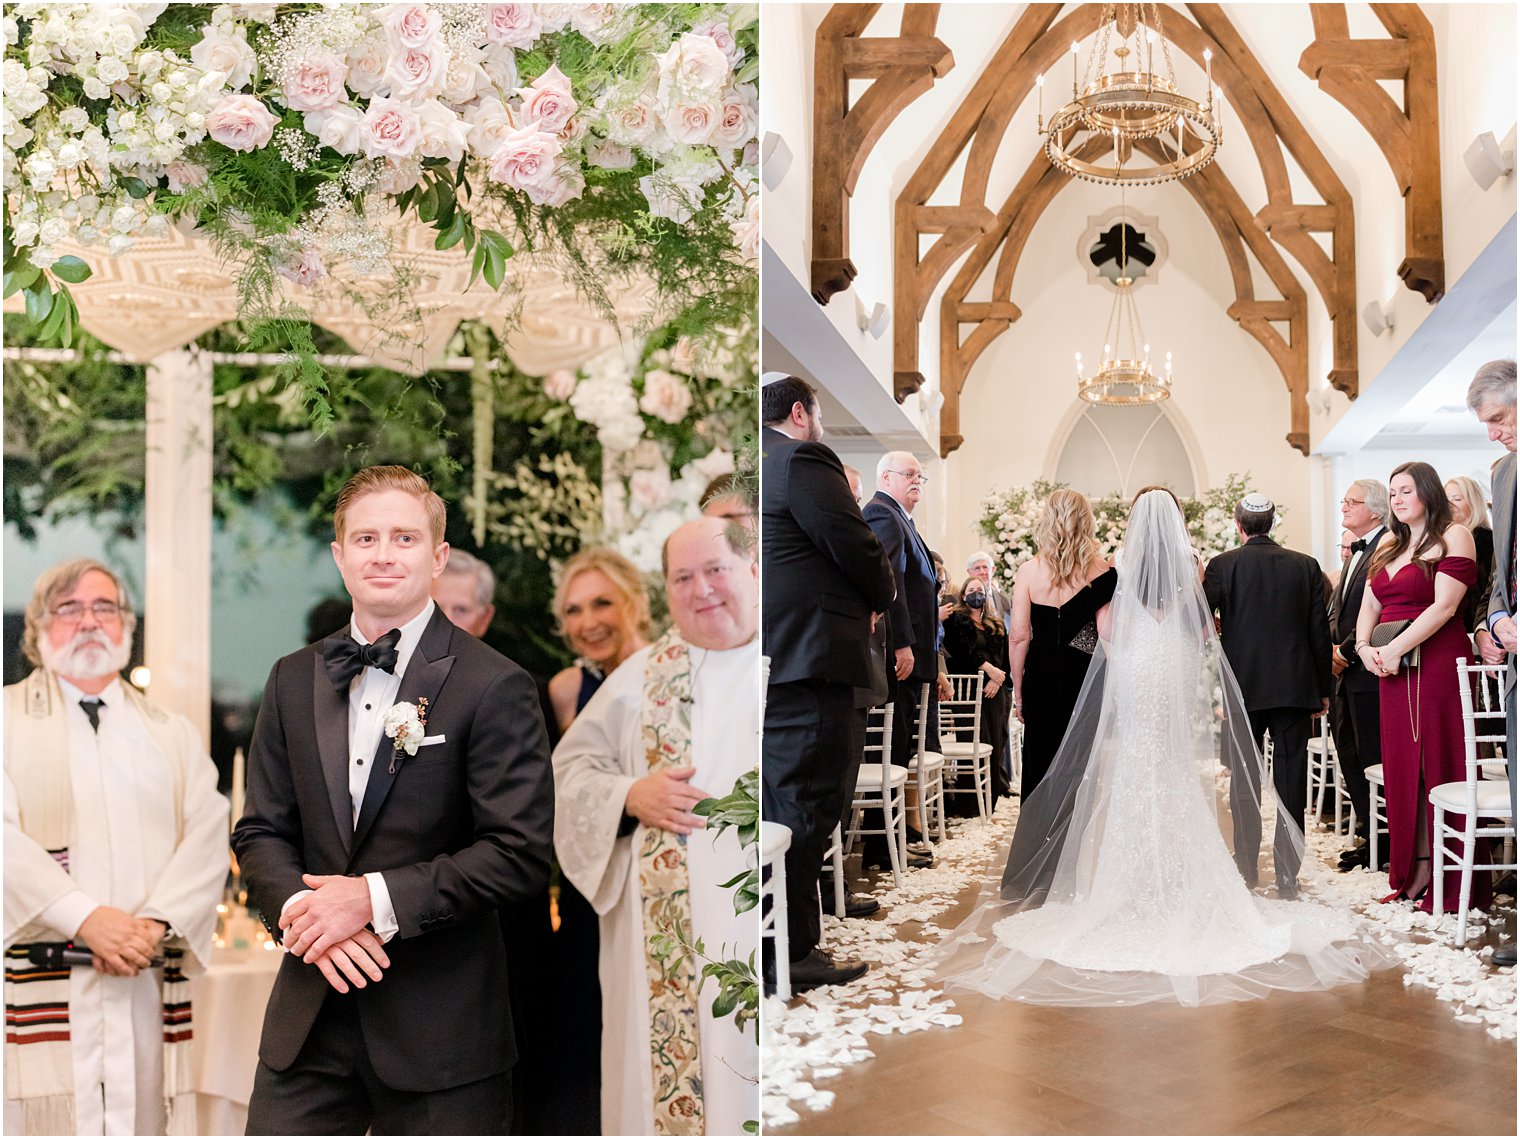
1121,886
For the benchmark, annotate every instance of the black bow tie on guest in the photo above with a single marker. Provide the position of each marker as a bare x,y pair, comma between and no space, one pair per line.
1359,545
345,658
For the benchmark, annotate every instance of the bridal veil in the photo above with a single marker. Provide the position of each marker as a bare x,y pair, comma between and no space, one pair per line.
1132,874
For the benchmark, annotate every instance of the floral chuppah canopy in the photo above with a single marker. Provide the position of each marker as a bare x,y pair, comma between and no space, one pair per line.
381,170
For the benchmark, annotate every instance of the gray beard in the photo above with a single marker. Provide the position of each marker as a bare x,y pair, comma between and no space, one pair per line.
89,656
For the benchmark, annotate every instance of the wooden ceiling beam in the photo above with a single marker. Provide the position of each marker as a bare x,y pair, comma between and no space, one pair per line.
901,69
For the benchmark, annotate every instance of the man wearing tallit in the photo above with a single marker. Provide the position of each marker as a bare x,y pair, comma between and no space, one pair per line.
116,839
676,723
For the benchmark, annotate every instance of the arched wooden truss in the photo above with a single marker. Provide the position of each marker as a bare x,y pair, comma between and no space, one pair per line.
903,68
1034,46
1348,71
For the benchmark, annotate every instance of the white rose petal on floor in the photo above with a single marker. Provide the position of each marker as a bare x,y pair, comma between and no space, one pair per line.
829,1029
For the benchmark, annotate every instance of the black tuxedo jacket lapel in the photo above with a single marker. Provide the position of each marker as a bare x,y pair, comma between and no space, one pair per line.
330,708
424,677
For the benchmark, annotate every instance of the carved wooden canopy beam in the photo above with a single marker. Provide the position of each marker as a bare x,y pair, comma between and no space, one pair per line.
902,68
1036,44
1348,71
1237,231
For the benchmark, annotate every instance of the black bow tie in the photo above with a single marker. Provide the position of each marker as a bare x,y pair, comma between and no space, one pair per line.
346,658
1359,545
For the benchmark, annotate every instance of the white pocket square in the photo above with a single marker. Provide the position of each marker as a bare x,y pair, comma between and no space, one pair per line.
428,741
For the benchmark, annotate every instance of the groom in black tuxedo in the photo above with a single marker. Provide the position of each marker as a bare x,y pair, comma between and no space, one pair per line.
1355,712
1272,627
380,862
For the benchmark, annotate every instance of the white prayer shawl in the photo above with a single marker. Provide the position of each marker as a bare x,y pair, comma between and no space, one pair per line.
179,823
599,758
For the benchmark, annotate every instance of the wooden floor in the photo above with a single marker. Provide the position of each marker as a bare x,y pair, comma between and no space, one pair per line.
1370,1059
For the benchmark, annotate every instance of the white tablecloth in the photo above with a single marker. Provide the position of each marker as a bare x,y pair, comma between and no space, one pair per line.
228,1001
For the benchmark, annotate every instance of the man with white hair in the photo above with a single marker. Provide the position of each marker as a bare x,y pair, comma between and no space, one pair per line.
677,723
465,591
115,840
1354,712
979,566
1491,397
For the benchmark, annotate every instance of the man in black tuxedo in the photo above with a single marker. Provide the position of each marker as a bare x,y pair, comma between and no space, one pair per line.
914,612
1354,714
1271,606
825,580
399,794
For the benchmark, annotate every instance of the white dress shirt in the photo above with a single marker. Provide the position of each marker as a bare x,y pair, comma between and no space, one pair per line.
370,696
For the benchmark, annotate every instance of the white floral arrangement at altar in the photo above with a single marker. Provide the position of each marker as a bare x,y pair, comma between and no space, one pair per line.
282,131
1009,519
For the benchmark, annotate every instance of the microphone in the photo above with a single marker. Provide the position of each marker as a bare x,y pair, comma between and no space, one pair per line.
66,955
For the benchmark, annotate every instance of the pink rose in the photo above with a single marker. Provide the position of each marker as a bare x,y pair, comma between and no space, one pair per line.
409,25
649,488
746,230
559,384
306,269
547,101
182,175
316,83
737,119
693,123
418,72
666,397
721,35
525,157
633,122
516,25
241,122
390,128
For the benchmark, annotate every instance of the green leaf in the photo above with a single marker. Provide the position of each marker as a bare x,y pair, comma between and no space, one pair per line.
71,269
453,235
136,187
427,205
477,262
496,266
54,322
70,320
22,277
39,299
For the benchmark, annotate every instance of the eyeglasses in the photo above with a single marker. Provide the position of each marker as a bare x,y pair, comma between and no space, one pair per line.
72,612
911,476
1353,502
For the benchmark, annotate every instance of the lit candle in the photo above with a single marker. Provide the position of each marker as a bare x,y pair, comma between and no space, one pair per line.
1073,69
239,777
1079,365
1208,67
1039,85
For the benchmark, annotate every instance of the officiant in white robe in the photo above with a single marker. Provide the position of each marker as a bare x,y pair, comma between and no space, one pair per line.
676,723
116,837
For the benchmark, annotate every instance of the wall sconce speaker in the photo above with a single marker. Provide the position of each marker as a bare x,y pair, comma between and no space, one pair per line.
775,159
872,319
1377,317
1486,162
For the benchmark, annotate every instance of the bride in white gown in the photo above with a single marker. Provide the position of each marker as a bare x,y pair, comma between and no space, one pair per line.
1121,886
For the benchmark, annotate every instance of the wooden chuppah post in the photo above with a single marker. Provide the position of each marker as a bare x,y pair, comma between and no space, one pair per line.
177,496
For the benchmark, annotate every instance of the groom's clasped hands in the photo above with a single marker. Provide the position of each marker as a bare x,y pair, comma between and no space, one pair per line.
326,928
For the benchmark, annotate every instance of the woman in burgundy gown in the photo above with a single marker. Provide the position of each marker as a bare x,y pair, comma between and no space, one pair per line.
1420,573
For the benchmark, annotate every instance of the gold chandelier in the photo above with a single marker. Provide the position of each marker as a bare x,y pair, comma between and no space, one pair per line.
1130,104
1125,377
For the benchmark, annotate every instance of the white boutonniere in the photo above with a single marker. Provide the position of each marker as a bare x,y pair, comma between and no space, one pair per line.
405,725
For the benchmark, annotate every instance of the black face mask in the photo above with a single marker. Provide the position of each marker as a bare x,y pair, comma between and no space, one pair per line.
975,600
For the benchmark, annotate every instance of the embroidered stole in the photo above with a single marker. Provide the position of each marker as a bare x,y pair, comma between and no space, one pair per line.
664,888
39,1065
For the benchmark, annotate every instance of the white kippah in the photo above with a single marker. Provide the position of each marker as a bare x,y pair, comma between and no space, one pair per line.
1256,504
772,377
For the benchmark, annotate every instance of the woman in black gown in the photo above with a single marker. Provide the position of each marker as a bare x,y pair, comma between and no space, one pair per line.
976,641
1057,596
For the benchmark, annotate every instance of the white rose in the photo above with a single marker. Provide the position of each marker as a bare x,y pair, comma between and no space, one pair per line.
602,24
444,134
397,715
54,230
95,89
229,54
341,128
693,66
620,435
489,122
632,120
418,72
109,69
746,230
316,82
649,488
499,62
674,197
464,78
666,397
367,63
610,155
554,17
723,36
564,185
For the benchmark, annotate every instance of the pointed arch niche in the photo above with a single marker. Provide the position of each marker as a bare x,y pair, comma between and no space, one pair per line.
1117,450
